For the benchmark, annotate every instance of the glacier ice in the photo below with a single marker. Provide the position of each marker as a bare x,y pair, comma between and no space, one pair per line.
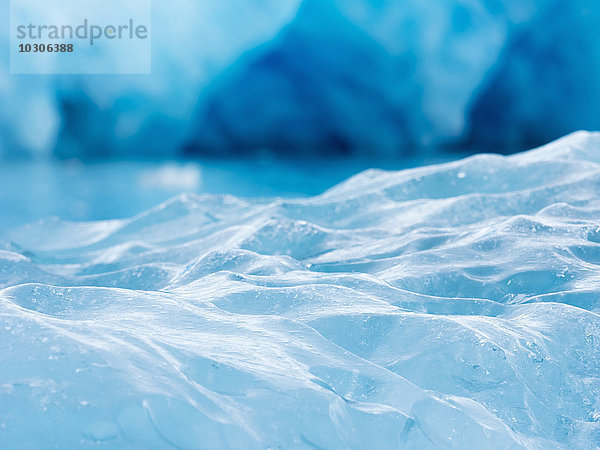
193,41
448,306
407,69
551,66
231,77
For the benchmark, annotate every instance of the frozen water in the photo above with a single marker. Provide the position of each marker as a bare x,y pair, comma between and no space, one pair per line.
549,66
192,42
306,76
408,69
447,306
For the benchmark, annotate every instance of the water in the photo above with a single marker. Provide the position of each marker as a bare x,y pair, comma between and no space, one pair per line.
70,190
453,305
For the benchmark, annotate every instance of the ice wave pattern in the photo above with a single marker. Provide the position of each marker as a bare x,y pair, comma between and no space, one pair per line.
449,306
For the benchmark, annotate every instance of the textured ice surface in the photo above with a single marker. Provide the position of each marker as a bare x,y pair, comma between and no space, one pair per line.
446,306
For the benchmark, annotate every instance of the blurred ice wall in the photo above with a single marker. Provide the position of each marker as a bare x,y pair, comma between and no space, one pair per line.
323,77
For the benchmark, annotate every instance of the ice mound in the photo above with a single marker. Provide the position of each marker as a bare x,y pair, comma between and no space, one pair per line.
449,306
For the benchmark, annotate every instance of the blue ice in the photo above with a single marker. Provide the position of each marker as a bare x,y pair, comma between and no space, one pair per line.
303,77
447,306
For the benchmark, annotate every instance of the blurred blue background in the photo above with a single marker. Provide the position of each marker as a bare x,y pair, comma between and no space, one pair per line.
289,97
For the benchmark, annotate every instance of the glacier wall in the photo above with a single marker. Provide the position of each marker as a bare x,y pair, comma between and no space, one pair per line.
449,306
324,77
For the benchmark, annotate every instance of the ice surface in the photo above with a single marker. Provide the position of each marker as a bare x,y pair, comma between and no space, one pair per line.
449,306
